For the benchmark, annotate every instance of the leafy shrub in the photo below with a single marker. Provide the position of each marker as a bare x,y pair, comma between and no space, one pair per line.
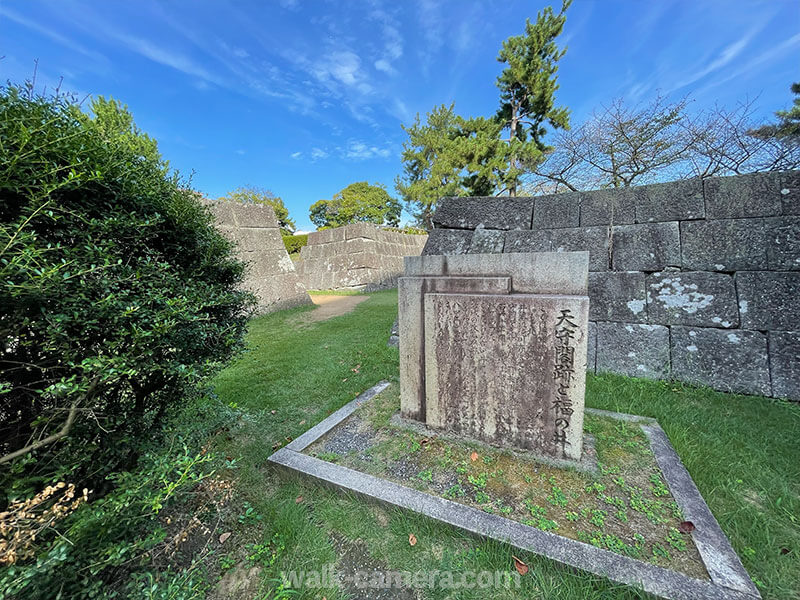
118,296
293,243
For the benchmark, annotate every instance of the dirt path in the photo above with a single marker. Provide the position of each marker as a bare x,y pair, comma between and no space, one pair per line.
331,306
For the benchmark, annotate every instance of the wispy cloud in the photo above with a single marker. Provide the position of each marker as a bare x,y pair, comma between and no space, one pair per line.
358,150
318,154
296,155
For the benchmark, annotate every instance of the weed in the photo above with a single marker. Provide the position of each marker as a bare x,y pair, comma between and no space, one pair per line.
250,516
557,497
479,481
657,486
426,475
675,539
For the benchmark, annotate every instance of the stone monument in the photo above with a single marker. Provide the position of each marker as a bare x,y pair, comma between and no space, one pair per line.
493,347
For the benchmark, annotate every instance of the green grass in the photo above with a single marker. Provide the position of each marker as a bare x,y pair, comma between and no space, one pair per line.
336,292
743,453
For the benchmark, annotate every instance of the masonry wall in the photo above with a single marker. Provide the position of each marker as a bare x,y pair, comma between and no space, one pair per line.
360,256
270,273
694,280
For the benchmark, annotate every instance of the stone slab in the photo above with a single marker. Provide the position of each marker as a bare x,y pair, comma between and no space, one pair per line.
729,580
692,298
508,368
731,361
448,241
557,211
411,329
674,201
790,192
783,244
490,212
769,301
740,196
784,363
635,350
487,241
590,239
326,236
724,245
607,207
617,296
645,246
253,239
535,273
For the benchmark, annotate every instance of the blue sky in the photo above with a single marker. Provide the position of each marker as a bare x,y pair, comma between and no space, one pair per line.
305,97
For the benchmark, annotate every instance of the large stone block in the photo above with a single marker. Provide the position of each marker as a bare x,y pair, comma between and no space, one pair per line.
674,201
487,241
783,243
508,369
724,245
784,363
537,273
790,192
364,230
753,195
253,215
557,211
645,247
591,239
731,361
411,323
448,241
607,207
692,298
617,296
223,214
326,236
489,212
250,239
635,350
591,345
769,301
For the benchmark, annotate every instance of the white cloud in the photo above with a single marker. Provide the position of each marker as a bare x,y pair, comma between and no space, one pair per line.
296,155
318,153
241,152
385,66
358,150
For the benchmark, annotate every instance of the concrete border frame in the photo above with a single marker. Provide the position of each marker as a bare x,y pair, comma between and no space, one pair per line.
728,578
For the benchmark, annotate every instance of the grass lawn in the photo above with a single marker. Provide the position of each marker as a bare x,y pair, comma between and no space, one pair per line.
743,452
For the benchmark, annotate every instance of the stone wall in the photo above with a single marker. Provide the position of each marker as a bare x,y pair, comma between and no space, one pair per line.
270,272
360,256
695,280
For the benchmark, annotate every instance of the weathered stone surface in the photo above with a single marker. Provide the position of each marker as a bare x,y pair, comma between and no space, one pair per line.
448,241
252,239
636,350
617,296
253,215
724,245
487,241
769,301
489,212
538,273
753,195
790,192
784,363
783,243
607,207
591,239
591,345
557,210
502,369
673,201
411,329
645,247
731,361
326,236
692,298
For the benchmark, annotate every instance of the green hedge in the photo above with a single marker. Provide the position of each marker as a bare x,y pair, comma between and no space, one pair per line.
293,243
118,295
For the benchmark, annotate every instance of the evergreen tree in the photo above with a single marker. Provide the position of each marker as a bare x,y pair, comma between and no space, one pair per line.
788,125
527,91
359,202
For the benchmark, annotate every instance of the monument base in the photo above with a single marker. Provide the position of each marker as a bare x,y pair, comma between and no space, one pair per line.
712,571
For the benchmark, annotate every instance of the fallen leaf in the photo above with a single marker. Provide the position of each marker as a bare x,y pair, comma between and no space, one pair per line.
289,438
298,500
412,539
356,368
345,379
272,412
276,445
473,457
520,566
303,422
224,537
424,441
785,551
686,527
